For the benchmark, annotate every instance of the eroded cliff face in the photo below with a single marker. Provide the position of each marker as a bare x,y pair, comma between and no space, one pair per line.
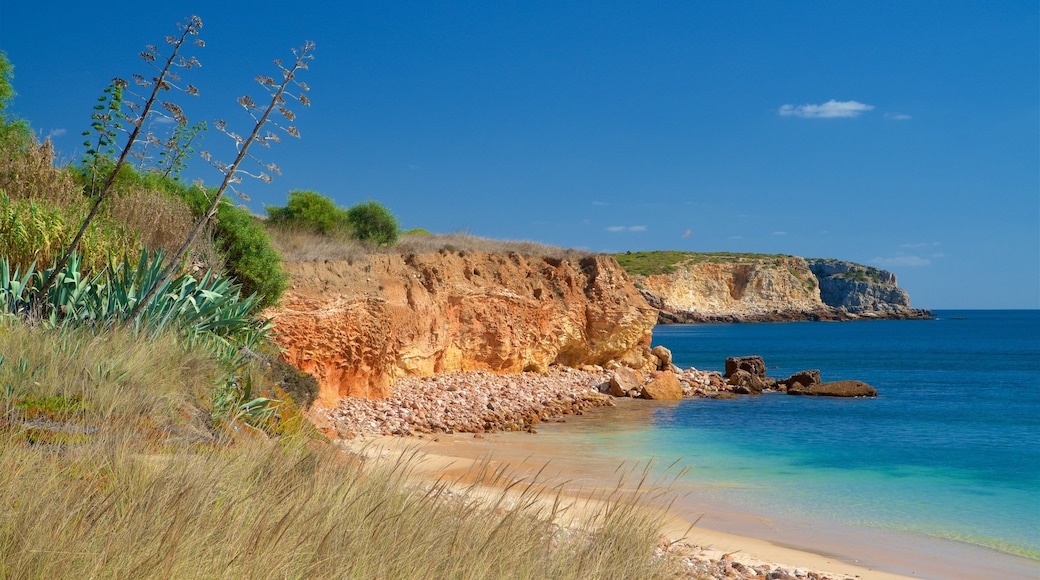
758,288
358,325
744,289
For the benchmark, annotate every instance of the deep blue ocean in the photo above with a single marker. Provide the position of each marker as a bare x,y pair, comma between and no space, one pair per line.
950,448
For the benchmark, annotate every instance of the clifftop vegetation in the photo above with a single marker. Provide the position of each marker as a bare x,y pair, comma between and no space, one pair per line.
668,261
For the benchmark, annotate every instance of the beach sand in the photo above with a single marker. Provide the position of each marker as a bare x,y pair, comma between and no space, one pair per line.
846,553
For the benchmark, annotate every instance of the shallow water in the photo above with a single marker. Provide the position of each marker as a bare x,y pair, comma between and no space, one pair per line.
950,450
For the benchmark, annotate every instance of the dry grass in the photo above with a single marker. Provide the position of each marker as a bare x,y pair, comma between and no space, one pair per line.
265,511
135,217
112,503
54,382
306,246
163,222
31,174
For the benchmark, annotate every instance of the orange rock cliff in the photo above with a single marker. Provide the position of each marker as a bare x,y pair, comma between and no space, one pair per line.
356,325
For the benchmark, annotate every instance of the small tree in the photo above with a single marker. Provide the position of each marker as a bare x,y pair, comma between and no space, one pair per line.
373,222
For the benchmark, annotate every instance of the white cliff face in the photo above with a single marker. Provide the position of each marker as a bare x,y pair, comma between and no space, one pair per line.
752,287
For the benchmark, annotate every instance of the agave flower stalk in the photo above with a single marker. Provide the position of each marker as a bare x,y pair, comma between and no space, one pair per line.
233,172
163,82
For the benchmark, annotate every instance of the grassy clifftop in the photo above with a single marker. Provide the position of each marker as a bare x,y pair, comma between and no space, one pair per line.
668,261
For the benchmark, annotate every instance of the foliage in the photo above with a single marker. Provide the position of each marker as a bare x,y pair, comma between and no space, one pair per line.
650,263
668,261
250,258
309,210
141,112
373,222
106,122
36,231
13,131
209,311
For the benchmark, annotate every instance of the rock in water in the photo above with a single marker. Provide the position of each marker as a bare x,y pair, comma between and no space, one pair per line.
802,378
752,364
835,389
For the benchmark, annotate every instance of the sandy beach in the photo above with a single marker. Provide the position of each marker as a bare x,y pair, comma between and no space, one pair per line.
725,541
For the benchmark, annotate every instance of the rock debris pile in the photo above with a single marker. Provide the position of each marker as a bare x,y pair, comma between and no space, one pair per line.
484,402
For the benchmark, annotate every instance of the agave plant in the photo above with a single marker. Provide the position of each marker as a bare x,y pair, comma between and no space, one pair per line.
13,286
209,312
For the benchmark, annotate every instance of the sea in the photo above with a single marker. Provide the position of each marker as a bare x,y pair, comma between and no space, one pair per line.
949,450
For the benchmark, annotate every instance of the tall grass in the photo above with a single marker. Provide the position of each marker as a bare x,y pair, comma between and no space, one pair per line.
109,468
271,511
74,380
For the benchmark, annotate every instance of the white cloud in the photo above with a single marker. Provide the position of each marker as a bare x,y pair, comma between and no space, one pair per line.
898,116
56,133
600,203
626,228
779,233
830,110
907,261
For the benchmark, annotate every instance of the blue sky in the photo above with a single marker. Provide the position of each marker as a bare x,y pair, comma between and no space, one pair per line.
898,134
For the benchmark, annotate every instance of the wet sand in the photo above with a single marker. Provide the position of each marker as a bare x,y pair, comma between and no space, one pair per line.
840,552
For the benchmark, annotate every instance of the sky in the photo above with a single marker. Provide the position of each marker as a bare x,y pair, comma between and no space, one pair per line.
903,135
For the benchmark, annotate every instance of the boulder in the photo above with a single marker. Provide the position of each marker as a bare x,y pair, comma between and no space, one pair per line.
803,378
834,389
625,380
663,386
664,355
749,384
752,364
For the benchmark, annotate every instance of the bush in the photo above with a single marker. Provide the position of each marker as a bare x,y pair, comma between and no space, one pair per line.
249,255
245,246
310,210
373,222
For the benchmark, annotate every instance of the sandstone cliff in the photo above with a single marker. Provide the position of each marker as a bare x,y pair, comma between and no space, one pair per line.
357,325
693,287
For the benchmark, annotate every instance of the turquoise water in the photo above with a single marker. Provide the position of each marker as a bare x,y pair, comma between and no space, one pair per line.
950,448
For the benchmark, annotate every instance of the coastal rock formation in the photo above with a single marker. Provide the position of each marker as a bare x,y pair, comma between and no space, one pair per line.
357,325
771,288
835,389
692,287
862,290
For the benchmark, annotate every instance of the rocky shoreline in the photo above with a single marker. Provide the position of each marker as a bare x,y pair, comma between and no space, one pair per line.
484,402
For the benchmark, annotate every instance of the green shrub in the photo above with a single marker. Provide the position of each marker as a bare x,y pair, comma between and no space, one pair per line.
373,222
309,210
252,261
245,246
